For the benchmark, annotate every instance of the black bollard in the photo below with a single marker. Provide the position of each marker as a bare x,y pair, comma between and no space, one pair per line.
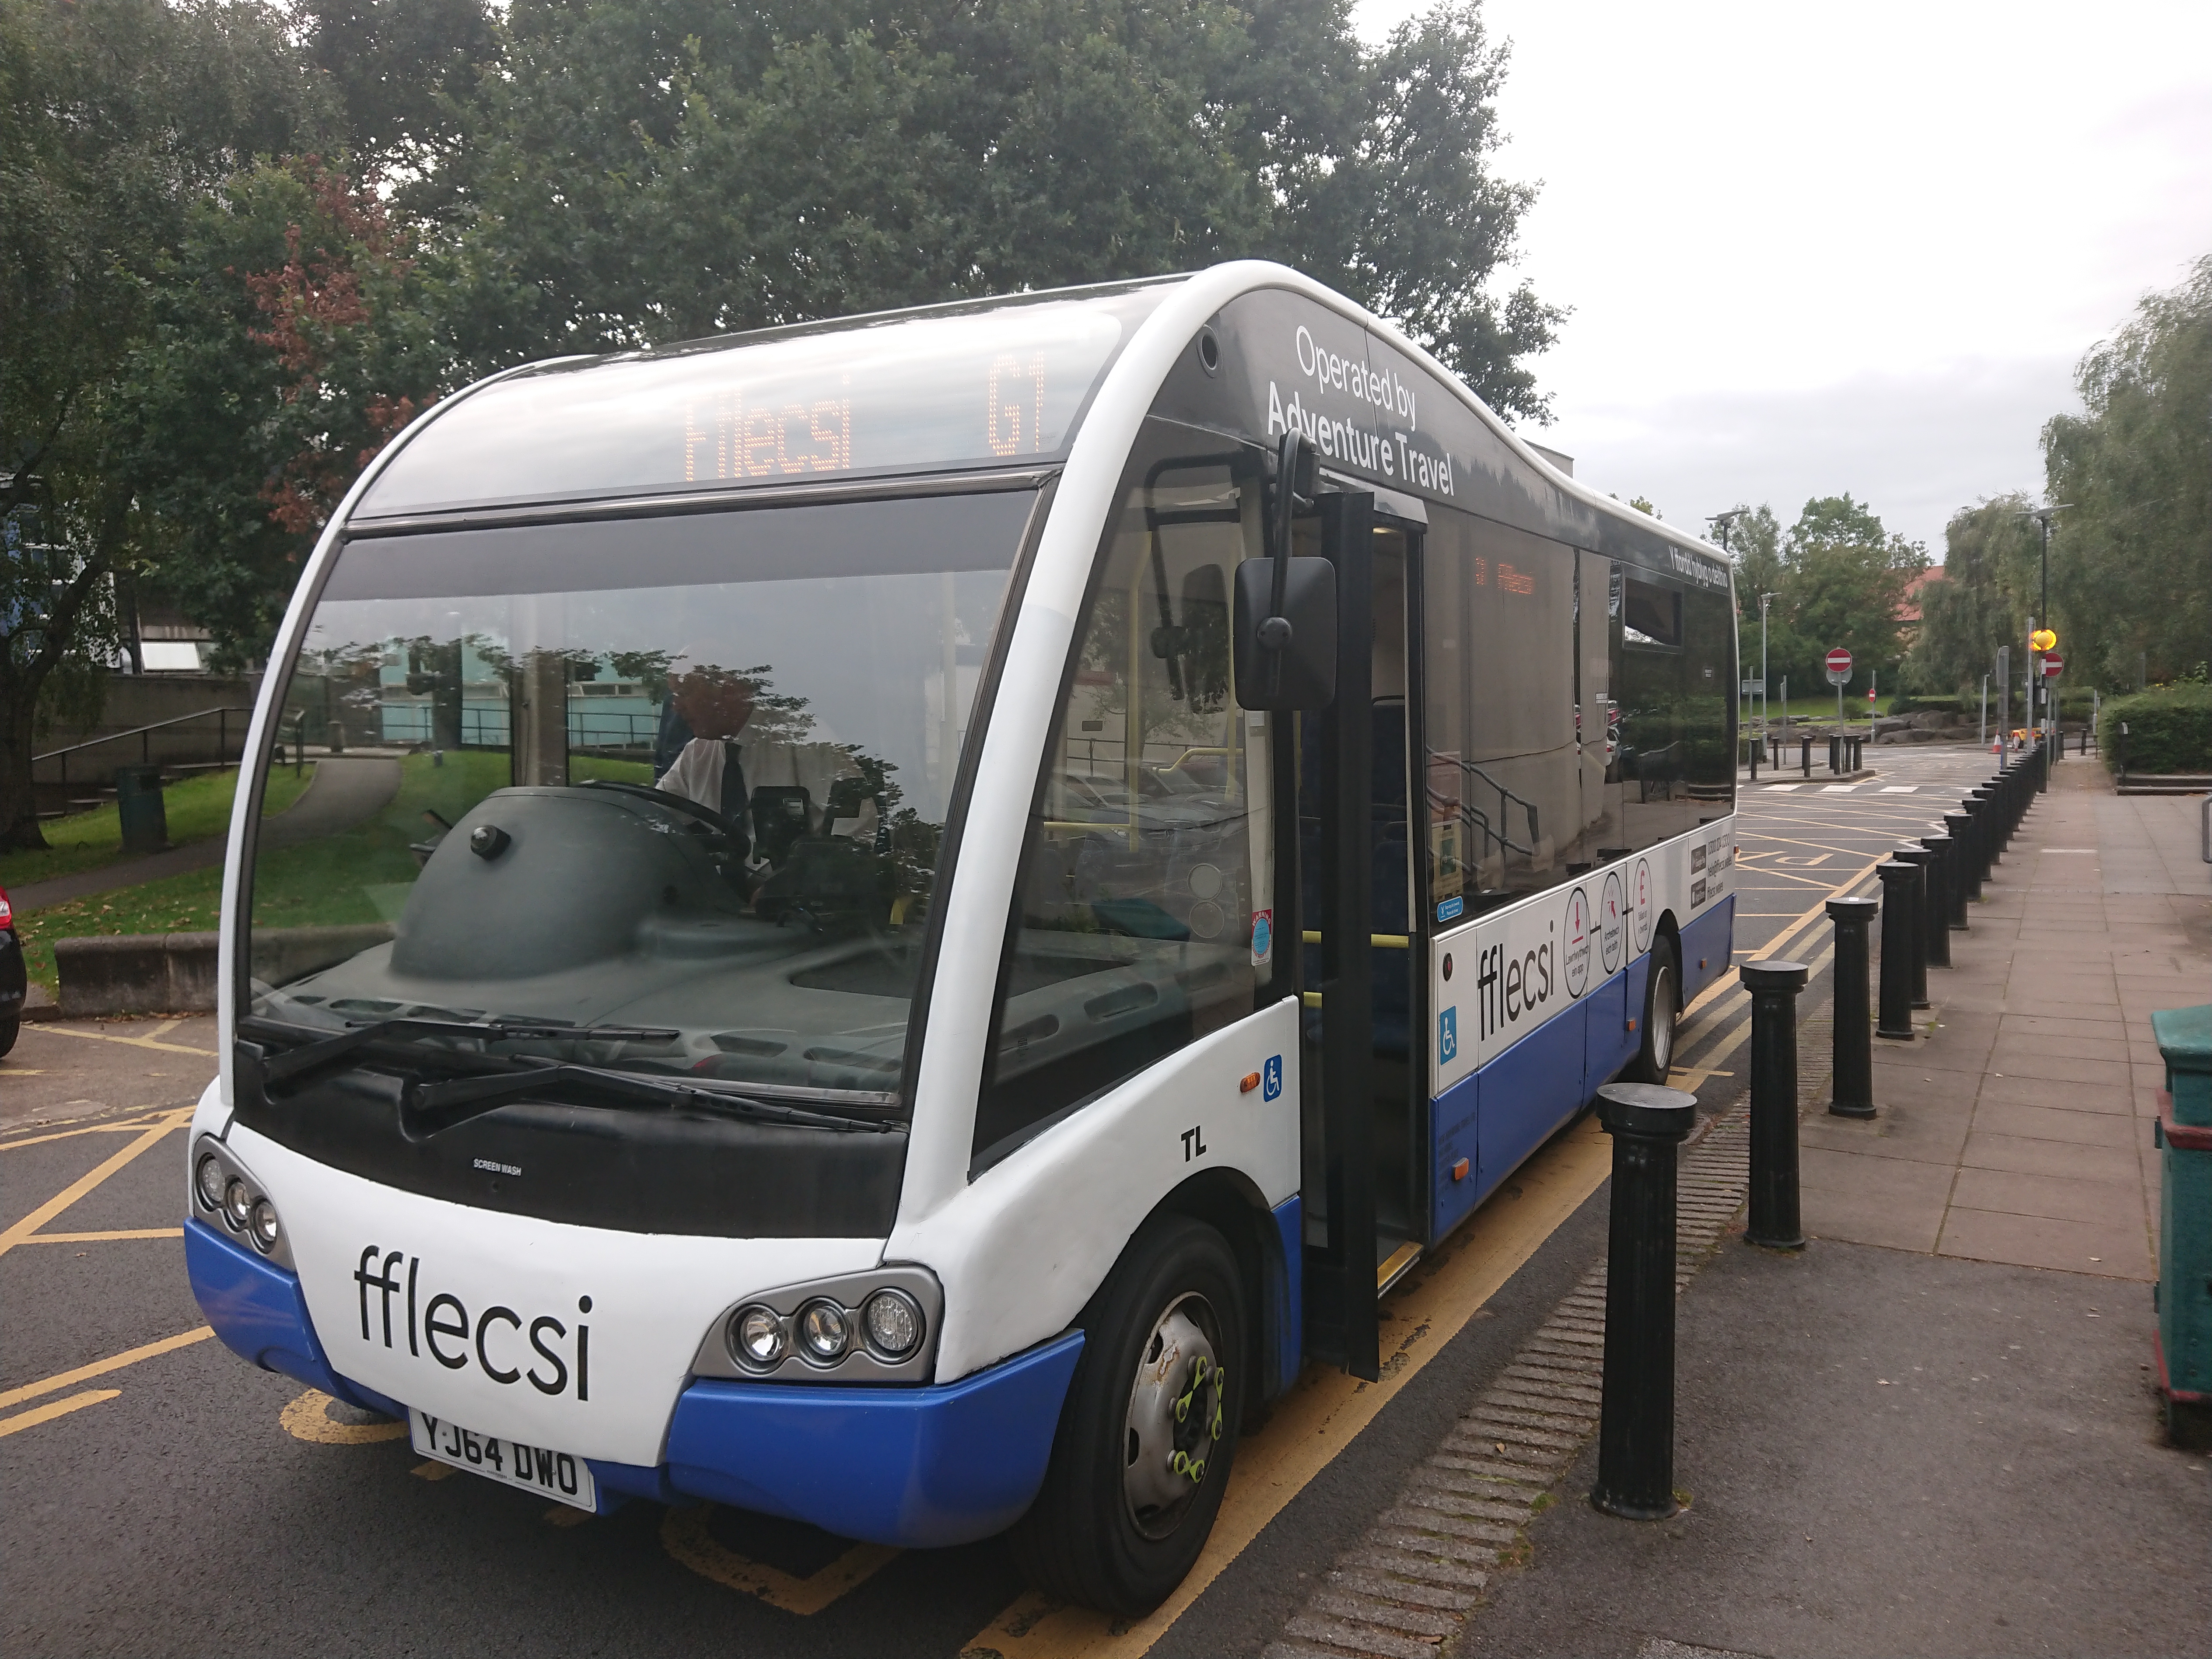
1852,1084
1961,870
1918,857
1938,933
1636,1421
1805,754
1982,804
1774,986
1900,894
1835,755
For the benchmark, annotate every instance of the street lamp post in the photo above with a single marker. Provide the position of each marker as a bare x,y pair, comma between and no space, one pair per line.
1720,522
2040,696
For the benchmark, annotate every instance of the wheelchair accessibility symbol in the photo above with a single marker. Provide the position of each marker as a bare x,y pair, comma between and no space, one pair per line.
1271,1077
1448,1035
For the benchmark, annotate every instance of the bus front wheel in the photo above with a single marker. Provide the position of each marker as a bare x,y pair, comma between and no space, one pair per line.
1655,1059
1149,1428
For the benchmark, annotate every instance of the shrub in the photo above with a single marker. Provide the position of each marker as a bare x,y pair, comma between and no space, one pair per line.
2169,730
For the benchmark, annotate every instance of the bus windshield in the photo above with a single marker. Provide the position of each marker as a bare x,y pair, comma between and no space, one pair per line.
683,780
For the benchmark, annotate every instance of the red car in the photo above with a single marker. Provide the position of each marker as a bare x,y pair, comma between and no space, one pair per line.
13,980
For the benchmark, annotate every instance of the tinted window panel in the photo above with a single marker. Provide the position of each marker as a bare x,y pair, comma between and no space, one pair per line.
1503,777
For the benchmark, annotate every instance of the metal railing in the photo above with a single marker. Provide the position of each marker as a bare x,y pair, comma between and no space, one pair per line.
1474,816
144,734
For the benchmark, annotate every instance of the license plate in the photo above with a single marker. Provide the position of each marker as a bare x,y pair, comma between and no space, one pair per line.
559,1475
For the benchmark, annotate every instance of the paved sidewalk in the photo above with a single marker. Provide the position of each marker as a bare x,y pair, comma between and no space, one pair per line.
1933,1431
2019,1129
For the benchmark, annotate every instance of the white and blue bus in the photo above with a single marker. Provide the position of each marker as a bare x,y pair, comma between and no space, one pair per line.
897,921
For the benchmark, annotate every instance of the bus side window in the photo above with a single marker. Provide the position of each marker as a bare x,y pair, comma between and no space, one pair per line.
1653,761
1502,784
1597,645
1149,859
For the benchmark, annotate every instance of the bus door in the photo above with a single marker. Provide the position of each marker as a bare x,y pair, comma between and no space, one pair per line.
1362,1124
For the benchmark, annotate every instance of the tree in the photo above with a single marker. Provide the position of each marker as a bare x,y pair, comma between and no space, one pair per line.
115,116
1844,578
2129,556
292,338
641,171
402,71
1754,539
1982,601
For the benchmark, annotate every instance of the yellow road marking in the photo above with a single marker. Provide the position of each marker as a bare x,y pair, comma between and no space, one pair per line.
308,1418
22,1071
103,1238
566,1514
47,1413
1325,1410
164,1028
102,1367
109,1036
431,1470
684,1535
123,1127
21,1230
1695,1075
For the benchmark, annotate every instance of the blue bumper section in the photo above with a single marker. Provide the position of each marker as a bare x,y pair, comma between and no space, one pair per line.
916,1468
911,1466
257,1309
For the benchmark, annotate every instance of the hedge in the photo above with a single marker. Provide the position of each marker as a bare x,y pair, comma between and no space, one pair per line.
2169,730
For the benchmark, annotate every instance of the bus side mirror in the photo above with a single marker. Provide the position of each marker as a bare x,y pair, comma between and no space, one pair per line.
1300,671
1286,610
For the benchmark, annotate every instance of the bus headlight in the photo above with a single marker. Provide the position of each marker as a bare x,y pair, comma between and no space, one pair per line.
893,1322
879,1325
825,1330
756,1337
220,1184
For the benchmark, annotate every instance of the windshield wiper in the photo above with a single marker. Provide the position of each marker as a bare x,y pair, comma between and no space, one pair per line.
433,1108
277,1068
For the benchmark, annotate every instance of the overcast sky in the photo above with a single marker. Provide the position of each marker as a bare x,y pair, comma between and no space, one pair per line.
1813,250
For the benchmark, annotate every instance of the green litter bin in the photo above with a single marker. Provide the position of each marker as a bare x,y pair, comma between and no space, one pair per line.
2183,1292
145,815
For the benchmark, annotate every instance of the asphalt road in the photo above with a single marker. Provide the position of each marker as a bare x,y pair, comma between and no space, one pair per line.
179,1502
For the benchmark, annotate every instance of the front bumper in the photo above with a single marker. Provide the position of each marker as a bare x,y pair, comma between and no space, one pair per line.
914,1467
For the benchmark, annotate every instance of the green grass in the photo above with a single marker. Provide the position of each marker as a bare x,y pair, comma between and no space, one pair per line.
188,903
332,880
197,808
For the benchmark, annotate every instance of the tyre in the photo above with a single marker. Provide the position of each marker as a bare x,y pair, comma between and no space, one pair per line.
9,1028
1149,1428
1662,1003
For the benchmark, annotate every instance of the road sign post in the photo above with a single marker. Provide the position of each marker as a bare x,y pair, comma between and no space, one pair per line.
1839,674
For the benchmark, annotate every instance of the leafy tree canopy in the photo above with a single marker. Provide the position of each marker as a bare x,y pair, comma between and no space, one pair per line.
647,170
2128,558
1838,576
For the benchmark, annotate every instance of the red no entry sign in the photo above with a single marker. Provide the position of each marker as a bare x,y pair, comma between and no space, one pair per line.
1839,666
2053,664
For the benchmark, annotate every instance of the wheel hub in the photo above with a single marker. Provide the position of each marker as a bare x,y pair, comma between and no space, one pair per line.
1175,1422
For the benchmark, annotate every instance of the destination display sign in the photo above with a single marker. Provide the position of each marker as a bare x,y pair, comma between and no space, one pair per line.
965,390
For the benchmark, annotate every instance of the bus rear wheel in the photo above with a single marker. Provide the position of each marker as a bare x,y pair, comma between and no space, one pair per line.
1149,1428
1655,1059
